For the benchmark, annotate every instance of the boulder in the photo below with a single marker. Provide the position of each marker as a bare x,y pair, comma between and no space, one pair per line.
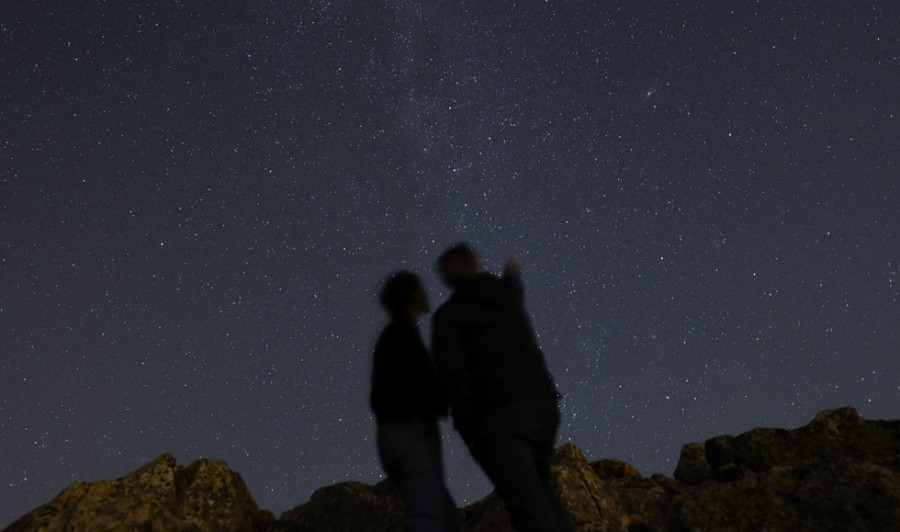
346,507
161,496
839,472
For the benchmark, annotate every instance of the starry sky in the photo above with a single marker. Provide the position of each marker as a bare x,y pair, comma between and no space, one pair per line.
199,200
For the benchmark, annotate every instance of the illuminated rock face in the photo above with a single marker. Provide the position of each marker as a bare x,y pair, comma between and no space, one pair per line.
205,496
839,472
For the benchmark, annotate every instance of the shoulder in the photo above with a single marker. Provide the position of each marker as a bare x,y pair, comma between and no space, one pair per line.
388,330
391,333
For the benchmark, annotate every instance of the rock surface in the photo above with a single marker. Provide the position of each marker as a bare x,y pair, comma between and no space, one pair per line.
840,472
205,496
346,507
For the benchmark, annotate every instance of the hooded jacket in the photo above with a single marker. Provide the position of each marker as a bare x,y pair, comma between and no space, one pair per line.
486,351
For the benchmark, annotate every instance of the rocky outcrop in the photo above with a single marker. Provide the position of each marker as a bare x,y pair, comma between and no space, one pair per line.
838,473
346,507
162,496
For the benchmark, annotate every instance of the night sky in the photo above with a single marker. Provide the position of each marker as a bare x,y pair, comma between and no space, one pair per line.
198,202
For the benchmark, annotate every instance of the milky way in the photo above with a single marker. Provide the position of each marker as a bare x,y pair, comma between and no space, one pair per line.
197,204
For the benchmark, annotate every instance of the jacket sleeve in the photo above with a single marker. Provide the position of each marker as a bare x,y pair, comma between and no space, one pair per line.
450,359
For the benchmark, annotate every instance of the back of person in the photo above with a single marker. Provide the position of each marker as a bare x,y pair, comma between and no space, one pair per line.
502,397
500,348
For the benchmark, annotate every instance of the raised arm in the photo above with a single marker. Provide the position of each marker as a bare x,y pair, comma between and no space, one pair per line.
512,274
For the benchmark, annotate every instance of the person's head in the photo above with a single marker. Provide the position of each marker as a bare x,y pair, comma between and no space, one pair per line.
404,295
458,264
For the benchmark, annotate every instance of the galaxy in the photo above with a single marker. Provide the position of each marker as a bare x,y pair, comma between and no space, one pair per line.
199,201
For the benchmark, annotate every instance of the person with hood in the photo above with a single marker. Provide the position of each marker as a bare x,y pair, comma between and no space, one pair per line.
502,397
407,401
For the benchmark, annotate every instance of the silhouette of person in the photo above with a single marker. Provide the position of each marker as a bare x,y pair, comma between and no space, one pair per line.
406,399
502,397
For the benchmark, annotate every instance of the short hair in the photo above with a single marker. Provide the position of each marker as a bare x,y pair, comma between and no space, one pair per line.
458,264
397,292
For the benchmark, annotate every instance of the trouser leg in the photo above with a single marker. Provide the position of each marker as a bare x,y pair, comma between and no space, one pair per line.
516,451
411,456
510,464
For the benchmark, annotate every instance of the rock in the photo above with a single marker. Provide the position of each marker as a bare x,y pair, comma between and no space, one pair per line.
693,467
161,496
838,473
607,494
347,507
833,434
612,496
487,515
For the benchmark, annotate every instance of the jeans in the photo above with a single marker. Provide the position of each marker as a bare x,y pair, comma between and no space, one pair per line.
410,452
514,447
